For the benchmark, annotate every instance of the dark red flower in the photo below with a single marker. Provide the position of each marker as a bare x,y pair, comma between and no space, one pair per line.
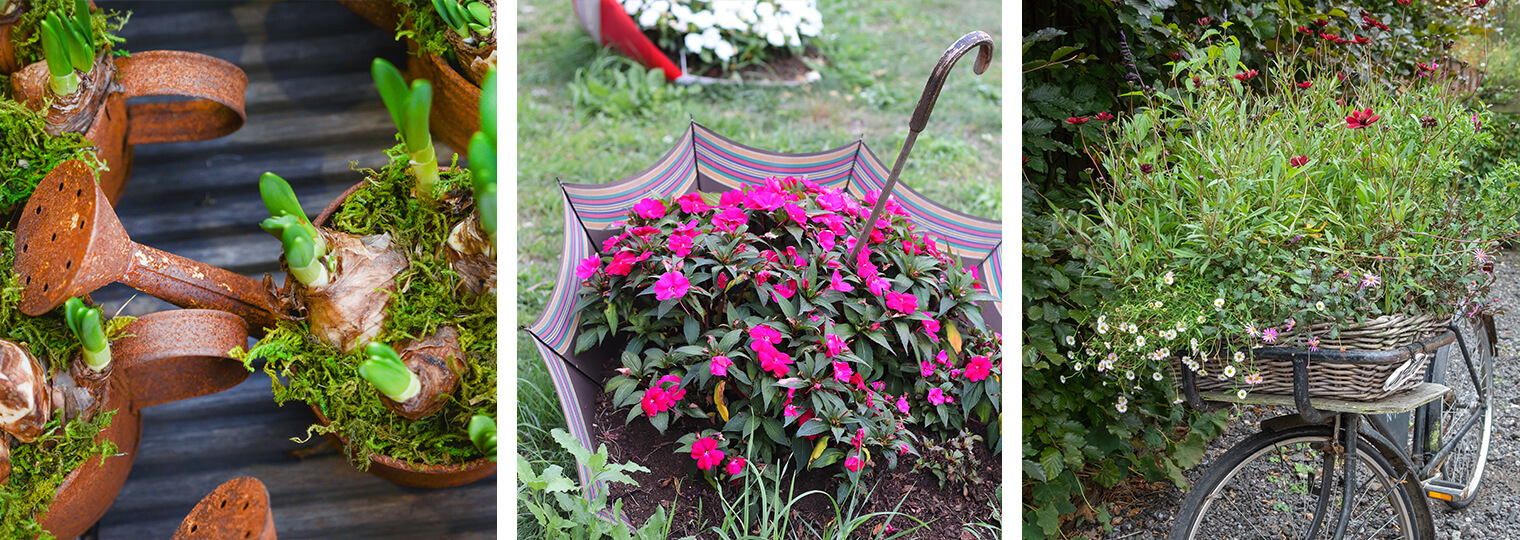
1306,84
1077,120
1146,168
1361,40
1329,37
1361,119
1429,122
1298,161
1405,2
1175,55
1248,75
1103,116
1205,21
1305,30
1321,22
1370,22
1480,3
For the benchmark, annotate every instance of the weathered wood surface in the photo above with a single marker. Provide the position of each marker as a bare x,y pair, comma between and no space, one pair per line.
312,110
1401,402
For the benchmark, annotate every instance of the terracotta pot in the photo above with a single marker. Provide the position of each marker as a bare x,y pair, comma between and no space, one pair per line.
381,13
8,61
237,509
456,102
214,108
167,356
401,472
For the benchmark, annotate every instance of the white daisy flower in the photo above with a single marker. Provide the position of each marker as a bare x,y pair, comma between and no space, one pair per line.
1241,393
1229,371
1199,319
1168,279
1240,356
1319,306
1129,375
1071,340
1139,341
1218,303
1156,376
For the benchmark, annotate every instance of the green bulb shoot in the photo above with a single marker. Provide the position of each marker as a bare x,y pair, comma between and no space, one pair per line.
385,370
409,110
302,259
68,44
469,20
483,434
84,321
483,157
285,211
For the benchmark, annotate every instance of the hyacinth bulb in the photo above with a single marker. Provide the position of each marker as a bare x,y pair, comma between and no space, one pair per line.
348,311
435,362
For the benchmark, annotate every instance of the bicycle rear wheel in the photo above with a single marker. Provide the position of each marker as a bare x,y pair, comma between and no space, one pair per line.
1269,486
1470,402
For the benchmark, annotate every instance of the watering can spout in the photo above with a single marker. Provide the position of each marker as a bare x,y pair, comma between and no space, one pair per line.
69,242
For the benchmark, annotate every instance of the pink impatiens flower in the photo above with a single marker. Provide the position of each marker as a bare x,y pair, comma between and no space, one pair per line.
670,286
773,360
826,240
931,327
706,452
938,397
879,286
765,333
835,344
842,371
720,365
736,465
902,404
943,358
926,368
902,301
692,203
729,219
796,213
836,283
623,261
854,463
680,245
649,208
650,403
590,265
978,368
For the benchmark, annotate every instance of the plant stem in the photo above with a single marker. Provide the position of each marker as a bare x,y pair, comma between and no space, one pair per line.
98,360
65,85
425,170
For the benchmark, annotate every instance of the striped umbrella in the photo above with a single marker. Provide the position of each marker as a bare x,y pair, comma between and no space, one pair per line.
702,160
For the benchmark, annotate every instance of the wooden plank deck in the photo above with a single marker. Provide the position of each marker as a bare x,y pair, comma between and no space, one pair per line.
312,110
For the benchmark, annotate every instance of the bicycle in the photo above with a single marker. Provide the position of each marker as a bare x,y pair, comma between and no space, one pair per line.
1293,478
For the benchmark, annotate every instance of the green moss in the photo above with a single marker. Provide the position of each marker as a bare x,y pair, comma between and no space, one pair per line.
320,375
29,43
421,23
38,468
27,153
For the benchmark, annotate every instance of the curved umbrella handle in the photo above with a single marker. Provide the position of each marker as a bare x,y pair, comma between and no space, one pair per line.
920,118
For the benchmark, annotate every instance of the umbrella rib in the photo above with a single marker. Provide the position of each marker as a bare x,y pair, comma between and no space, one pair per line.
584,230
561,356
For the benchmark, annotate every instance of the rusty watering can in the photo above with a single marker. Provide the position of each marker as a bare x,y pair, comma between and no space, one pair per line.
214,107
238,509
167,356
69,242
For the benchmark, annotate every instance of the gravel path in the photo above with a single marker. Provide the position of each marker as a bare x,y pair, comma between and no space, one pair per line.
1496,513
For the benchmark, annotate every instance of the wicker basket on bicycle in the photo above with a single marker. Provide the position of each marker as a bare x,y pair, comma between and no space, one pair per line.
1329,374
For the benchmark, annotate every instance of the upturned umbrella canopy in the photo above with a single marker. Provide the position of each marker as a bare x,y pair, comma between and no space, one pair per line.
702,160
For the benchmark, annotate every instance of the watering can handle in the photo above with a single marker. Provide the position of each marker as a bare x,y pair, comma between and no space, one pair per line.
179,354
215,88
978,39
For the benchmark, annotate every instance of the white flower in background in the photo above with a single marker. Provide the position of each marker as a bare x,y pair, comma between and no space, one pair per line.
633,6
652,13
775,37
1229,371
729,16
694,43
682,14
1071,340
724,50
1156,376
704,20
711,38
1240,356
765,10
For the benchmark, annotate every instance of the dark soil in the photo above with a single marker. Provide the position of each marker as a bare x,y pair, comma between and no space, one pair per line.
697,506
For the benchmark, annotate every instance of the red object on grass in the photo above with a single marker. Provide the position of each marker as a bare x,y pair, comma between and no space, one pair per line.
610,25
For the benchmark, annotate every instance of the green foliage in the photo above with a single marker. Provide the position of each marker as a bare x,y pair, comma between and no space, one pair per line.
409,107
1080,59
617,86
27,37
951,460
467,20
483,156
421,23
483,434
27,153
1231,220
322,376
561,510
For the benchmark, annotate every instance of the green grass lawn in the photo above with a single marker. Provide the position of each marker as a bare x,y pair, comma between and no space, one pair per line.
880,54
